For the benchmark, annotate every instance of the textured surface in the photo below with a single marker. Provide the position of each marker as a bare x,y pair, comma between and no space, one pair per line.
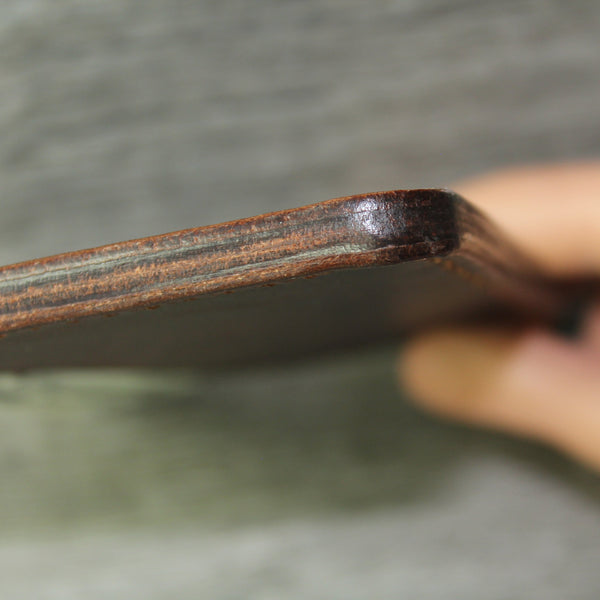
343,233
122,120
335,276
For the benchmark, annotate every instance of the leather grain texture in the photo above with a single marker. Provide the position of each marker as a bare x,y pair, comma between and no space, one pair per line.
333,276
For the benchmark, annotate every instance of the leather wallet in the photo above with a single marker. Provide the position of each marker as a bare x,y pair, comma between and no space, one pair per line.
340,274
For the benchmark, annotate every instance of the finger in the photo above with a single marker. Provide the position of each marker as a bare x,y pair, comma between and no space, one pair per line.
553,212
532,384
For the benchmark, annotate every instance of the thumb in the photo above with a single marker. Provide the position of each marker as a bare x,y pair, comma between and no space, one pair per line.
529,383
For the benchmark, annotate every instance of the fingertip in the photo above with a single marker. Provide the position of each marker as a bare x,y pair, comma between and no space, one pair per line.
532,384
450,371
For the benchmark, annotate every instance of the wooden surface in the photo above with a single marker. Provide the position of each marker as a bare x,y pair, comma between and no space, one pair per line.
343,274
121,121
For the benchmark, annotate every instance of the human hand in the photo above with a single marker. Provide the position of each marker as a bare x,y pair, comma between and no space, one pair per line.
531,383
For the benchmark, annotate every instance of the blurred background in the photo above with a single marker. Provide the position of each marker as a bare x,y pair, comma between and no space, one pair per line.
121,119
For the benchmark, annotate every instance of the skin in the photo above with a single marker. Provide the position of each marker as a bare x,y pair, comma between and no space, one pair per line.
531,383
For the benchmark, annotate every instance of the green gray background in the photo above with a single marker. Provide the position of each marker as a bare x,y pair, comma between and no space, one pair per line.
121,119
